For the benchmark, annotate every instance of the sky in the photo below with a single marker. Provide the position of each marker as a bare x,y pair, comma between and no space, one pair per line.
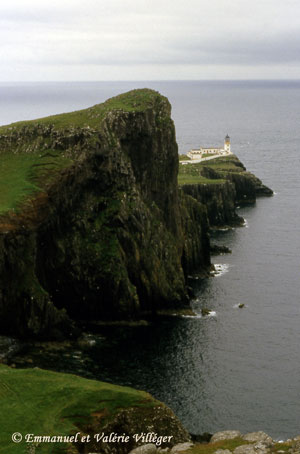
64,40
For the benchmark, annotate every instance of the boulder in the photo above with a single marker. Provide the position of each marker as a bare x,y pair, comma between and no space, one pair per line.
245,449
181,447
258,448
259,436
262,447
225,435
149,448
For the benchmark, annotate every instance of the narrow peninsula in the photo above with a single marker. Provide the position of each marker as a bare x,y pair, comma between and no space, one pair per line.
93,223
99,221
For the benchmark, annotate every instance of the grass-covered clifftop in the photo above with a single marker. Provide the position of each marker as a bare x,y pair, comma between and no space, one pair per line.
33,153
133,101
91,223
44,403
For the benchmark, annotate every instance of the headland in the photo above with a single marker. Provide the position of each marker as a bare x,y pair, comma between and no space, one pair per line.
95,226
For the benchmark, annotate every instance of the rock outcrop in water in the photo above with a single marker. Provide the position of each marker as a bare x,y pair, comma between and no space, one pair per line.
92,224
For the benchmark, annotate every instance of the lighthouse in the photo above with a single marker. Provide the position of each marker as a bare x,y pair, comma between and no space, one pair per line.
227,144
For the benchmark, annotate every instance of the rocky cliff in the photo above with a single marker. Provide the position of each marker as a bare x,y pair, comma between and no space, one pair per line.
221,185
91,222
93,225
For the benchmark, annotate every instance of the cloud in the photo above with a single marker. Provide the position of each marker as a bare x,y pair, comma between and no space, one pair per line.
139,33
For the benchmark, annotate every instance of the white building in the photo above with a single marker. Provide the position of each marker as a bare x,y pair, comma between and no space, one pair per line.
206,152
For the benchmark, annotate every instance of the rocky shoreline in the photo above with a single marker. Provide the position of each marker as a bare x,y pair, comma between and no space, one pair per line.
228,442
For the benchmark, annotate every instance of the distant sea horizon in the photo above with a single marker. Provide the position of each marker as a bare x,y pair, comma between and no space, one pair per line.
151,80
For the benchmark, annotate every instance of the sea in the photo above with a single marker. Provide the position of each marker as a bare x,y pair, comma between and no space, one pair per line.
238,368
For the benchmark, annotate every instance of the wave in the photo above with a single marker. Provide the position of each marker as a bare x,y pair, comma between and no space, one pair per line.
220,269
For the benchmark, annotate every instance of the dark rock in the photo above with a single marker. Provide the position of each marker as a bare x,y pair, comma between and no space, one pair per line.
216,249
219,200
205,311
109,237
201,438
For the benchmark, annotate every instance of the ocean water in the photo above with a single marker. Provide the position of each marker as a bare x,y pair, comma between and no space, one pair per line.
240,368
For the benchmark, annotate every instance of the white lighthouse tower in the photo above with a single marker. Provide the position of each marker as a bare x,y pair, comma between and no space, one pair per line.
227,144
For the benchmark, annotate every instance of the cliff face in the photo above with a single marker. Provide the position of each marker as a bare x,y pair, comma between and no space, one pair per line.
92,224
221,184
219,200
195,224
95,227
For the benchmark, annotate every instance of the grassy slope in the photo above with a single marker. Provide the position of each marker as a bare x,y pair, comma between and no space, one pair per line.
196,179
23,174
191,173
133,101
48,403
184,157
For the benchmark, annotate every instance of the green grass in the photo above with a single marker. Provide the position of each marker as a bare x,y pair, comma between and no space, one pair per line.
226,163
281,447
133,101
25,166
23,174
40,402
197,179
208,155
227,166
184,157
193,173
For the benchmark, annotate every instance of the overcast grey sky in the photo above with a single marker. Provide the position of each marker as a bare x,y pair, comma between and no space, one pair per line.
154,39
